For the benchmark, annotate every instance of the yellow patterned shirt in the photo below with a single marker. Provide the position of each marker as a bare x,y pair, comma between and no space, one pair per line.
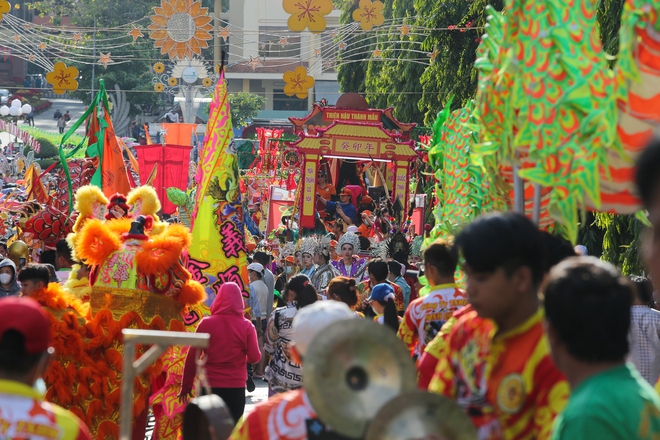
507,383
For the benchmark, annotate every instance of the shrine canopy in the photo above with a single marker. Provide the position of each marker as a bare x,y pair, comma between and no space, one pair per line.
355,134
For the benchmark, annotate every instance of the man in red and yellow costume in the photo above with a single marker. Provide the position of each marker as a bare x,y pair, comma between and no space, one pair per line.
496,362
425,316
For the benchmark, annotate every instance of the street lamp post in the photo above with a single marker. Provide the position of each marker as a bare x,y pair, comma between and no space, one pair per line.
15,111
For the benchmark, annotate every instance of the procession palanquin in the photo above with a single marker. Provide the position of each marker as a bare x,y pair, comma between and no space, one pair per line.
137,281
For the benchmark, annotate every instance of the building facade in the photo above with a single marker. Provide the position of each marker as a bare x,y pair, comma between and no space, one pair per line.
262,48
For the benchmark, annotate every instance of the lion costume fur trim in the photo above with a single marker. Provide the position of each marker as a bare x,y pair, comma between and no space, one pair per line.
95,242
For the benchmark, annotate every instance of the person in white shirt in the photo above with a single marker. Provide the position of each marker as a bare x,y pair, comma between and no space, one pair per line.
644,333
171,116
259,290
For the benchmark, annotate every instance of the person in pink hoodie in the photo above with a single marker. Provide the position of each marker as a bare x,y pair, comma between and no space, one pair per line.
232,345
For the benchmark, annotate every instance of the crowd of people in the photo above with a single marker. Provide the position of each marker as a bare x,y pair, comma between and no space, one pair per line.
540,343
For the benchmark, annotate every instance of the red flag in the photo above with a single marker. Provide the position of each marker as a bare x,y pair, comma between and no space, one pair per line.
172,162
418,220
275,210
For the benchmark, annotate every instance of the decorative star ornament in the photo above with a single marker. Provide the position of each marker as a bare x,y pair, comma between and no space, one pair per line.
135,33
328,64
224,33
42,46
342,45
284,41
254,63
317,52
17,38
404,29
77,37
105,59
377,53
32,57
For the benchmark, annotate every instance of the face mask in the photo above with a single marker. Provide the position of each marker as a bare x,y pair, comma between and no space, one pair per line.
5,278
288,270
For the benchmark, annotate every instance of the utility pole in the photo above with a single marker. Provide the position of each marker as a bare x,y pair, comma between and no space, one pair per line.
217,10
93,60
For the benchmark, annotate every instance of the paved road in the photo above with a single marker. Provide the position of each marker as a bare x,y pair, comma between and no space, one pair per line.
45,121
260,394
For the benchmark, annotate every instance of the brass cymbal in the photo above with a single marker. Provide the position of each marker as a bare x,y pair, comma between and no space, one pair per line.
352,369
418,415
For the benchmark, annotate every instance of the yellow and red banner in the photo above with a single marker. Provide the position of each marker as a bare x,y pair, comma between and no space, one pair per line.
218,253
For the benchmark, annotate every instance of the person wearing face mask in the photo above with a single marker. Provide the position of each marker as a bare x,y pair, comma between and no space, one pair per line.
25,350
8,284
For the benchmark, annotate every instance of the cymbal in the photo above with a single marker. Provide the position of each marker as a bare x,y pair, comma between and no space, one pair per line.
418,414
207,417
352,369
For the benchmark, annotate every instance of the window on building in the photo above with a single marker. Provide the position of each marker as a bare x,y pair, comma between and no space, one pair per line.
278,42
283,102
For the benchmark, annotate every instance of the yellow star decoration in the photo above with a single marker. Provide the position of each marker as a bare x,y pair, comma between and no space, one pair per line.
317,52
297,82
369,14
404,29
42,46
62,78
342,45
77,37
159,67
433,55
105,59
284,41
17,38
135,33
224,33
377,53
254,62
32,57
307,14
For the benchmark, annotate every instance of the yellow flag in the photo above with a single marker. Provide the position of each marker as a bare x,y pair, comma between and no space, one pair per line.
217,254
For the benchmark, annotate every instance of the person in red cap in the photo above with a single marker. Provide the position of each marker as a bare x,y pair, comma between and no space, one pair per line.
344,208
25,349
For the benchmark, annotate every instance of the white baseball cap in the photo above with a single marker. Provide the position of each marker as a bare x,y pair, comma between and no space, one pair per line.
352,228
256,267
312,319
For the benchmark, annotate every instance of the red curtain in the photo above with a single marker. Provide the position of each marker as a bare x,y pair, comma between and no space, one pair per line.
173,162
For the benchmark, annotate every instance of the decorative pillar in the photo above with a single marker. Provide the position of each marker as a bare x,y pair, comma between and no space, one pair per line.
400,187
308,188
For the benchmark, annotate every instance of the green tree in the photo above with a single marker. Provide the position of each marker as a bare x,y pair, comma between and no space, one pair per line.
394,82
244,106
352,69
452,73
